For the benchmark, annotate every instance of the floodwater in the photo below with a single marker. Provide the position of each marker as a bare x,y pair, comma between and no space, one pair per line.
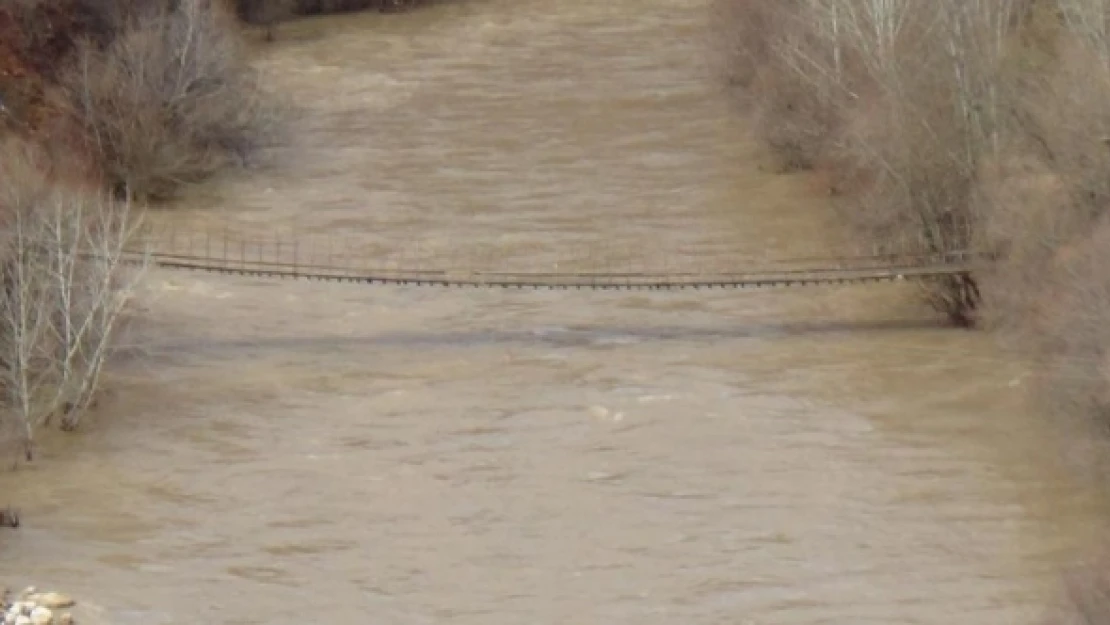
320,453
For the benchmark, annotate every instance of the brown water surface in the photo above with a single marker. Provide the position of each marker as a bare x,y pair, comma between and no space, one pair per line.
314,453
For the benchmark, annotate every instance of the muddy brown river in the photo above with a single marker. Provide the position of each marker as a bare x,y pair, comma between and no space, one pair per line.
315,453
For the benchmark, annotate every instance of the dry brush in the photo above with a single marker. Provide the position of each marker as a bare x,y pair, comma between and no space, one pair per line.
170,101
904,101
1048,214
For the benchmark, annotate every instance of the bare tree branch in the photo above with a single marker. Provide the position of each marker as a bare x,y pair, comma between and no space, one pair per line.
64,288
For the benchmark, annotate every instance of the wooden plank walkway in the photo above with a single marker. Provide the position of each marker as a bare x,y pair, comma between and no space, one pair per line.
849,272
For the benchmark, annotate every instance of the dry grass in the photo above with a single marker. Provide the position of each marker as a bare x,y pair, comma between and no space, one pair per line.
170,101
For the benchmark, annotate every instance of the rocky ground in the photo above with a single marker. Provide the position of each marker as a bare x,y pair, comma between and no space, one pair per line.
32,607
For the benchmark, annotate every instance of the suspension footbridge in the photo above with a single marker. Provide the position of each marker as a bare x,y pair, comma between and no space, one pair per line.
298,259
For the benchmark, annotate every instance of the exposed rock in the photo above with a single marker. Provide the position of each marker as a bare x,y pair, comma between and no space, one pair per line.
34,608
41,616
20,608
52,600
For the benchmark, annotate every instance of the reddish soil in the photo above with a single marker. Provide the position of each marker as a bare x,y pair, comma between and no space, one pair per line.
35,41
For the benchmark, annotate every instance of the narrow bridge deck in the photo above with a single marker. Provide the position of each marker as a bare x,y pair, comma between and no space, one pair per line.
862,272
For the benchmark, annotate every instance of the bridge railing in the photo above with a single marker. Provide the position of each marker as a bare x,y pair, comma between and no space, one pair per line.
350,255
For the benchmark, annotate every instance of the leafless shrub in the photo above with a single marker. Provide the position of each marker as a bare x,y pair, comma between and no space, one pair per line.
104,20
943,97
268,13
63,286
1049,217
313,7
745,33
170,101
1068,331
265,13
904,99
788,70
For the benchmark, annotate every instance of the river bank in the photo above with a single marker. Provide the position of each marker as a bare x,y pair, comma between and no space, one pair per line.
305,452
106,109
978,132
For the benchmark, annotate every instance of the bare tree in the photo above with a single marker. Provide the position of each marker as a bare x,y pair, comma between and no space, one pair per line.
65,277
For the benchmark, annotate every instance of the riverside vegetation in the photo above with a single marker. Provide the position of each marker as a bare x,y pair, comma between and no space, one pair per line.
108,106
952,124
105,105
956,125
